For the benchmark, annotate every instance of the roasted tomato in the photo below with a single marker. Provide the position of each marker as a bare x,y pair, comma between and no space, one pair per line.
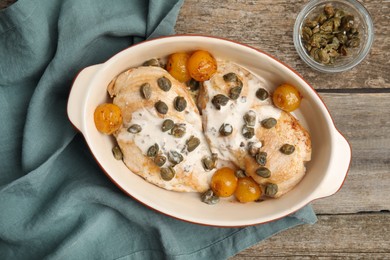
286,97
247,190
177,66
224,182
201,65
108,118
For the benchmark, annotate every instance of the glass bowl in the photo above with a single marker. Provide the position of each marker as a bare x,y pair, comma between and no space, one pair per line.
348,57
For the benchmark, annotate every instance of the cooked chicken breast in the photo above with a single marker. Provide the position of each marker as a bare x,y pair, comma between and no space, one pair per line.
233,118
146,105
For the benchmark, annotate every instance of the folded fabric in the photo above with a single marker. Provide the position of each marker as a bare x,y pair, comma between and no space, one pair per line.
55,202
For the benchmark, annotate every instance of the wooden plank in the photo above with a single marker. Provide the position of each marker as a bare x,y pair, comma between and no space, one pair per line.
364,119
353,236
268,25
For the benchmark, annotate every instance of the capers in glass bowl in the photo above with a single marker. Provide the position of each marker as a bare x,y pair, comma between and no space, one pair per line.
333,36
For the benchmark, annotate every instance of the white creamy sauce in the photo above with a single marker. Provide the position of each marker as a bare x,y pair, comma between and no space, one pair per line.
233,113
151,133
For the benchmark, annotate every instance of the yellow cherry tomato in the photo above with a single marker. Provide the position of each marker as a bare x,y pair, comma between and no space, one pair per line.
224,182
286,97
108,118
201,65
247,190
177,66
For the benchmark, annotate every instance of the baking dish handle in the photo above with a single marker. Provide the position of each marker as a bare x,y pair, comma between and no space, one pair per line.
77,94
338,167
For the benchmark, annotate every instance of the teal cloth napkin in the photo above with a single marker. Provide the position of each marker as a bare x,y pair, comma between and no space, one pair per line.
55,202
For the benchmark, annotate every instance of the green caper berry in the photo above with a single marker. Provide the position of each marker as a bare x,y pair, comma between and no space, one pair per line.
240,173
271,189
146,91
160,160
208,163
253,148
153,150
263,172
175,157
164,84
193,84
248,132
287,149
167,173
262,94
152,62
250,118
226,129
134,129
161,107
208,197
235,92
116,151
230,77
219,100
180,103
261,158
269,122
167,125
192,143
178,130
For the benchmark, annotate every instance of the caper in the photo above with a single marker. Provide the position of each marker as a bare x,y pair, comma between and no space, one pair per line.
306,33
178,130
230,77
192,143
271,189
263,172
180,103
253,148
167,125
152,62
248,132
226,129
116,151
219,100
262,94
208,197
146,91
287,149
167,173
193,84
311,24
161,107
209,162
353,43
261,158
134,129
329,10
153,150
164,84
269,122
160,160
235,92
240,173
250,118
175,157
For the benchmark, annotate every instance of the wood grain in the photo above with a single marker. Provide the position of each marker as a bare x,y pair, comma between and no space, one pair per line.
268,25
364,119
364,236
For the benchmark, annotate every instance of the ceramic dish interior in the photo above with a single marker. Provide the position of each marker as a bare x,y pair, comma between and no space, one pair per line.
325,172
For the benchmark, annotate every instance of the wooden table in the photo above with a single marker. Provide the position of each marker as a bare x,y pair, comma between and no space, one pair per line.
354,223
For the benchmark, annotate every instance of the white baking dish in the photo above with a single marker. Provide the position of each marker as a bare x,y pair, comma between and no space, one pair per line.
326,171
